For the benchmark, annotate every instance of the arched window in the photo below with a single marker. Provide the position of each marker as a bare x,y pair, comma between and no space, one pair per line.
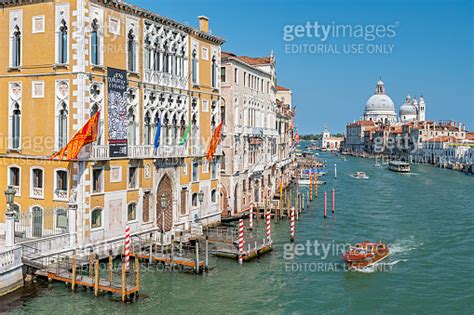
213,196
165,59
131,127
62,126
194,200
61,219
16,47
96,218
214,72
147,53
16,127
131,52
95,58
14,176
94,109
157,57
194,67
62,43
148,129
132,212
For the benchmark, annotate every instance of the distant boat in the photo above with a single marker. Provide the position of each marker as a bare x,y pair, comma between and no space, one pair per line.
399,166
360,175
377,164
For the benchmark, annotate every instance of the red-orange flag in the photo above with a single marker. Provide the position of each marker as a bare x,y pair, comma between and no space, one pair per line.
216,138
87,134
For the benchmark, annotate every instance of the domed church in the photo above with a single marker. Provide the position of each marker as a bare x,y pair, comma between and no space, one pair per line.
379,107
412,110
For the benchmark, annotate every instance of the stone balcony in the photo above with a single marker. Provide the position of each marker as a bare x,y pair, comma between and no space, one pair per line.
101,152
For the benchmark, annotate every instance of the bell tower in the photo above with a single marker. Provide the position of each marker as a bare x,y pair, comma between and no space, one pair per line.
421,109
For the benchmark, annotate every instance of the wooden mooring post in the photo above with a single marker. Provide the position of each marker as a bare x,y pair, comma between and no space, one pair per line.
124,282
96,276
111,266
73,280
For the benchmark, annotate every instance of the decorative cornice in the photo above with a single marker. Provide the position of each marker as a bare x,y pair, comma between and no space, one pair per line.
137,11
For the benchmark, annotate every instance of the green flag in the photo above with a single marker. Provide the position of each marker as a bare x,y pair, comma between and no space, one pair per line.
184,138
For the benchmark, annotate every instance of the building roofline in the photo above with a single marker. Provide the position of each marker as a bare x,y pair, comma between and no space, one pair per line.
138,11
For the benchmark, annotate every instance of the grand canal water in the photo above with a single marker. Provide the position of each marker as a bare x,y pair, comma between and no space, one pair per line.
426,218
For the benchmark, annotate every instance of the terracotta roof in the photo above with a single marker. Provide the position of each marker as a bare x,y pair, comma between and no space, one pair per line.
281,88
470,135
442,139
363,123
256,61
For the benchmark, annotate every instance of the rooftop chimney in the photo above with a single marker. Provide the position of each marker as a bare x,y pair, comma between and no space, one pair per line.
203,23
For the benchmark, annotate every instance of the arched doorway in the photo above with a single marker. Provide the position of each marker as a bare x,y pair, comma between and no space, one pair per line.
165,188
37,216
224,202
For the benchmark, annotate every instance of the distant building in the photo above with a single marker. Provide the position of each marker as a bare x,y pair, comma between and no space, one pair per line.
330,143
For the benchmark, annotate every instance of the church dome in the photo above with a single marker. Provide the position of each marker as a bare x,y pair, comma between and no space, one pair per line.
408,108
379,103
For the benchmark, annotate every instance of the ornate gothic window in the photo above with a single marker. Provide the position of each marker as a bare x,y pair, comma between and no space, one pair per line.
148,129
16,127
214,72
63,43
132,124
16,47
94,42
131,51
62,126
194,67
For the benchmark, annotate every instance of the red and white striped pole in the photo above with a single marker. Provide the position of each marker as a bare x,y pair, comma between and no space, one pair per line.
325,204
251,215
333,199
127,247
292,224
241,241
269,231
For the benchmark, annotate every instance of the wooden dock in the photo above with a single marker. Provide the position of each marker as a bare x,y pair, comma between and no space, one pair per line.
172,261
127,290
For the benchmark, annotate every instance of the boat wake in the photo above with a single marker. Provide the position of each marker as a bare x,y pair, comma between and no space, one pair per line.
399,252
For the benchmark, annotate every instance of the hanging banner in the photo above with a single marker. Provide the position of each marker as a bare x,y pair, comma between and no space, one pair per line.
117,108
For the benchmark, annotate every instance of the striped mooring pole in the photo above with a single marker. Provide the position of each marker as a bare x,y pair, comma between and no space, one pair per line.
127,247
292,224
269,229
241,241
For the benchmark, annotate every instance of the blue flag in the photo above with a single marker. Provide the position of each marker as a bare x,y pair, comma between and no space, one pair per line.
156,143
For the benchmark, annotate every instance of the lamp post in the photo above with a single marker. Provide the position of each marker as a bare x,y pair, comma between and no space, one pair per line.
10,217
201,199
164,205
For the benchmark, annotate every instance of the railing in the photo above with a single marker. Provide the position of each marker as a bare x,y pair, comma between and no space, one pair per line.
197,150
37,192
10,258
60,194
141,151
41,223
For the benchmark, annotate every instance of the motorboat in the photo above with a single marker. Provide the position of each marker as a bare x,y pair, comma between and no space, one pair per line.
399,166
365,254
360,175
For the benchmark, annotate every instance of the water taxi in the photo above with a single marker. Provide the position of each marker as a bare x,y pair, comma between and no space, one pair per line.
365,254
399,166
360,175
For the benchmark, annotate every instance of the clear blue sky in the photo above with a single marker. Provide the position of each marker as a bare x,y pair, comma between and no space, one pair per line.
432,52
